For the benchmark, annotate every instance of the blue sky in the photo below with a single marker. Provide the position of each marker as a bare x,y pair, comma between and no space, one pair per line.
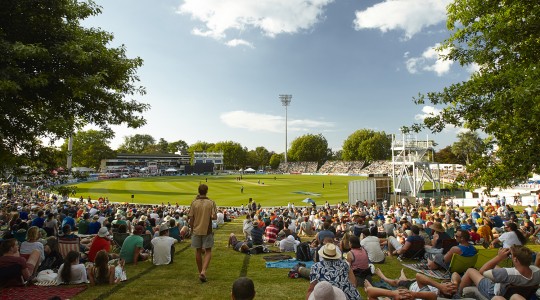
213,69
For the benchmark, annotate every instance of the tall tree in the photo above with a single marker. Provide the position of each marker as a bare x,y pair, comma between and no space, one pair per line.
367,145
89,148
233,153
502,99
310,147
138,143
178,146
275,159
56,76
468,146
445,156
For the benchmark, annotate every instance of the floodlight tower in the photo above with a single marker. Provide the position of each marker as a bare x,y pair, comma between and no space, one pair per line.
285,101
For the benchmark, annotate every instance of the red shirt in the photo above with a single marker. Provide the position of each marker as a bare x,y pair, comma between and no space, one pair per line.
99,243
271,233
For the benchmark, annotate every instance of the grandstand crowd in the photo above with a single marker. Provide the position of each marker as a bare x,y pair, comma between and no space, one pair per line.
41,223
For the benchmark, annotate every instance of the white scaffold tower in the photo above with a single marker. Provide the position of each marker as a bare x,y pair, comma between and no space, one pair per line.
411,165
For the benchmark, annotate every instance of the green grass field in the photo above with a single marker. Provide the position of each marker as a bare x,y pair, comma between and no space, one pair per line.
225,190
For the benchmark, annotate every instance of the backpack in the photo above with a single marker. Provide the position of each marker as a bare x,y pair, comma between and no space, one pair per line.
303,252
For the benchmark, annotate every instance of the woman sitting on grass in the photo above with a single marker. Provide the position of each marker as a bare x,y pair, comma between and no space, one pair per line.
101,272
71,271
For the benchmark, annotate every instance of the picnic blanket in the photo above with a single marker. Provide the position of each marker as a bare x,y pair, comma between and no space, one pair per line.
287,264
422,268
41,292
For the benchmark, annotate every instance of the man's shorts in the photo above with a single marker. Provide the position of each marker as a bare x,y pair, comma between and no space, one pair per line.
486,287
202,241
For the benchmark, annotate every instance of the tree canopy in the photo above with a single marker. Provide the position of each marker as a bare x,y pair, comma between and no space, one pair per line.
310,147
57,76
367,145
89,148
139,143
502,99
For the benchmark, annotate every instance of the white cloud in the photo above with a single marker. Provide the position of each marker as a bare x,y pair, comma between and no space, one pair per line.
431,60
239,42
272,17
264,122
410,16
473,68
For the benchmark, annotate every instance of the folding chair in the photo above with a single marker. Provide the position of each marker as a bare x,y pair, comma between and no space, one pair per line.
118,239
485,255
147,241
460,264
415,251
67,245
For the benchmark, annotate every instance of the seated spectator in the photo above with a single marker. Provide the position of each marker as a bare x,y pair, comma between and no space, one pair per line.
325,232
243,289
95,225
410,237
163,246
326,291
271,232
83,224
306,227
359,261
237,245
257,233
9,251
53,258
32,243
288,244
101,272
422,287
102,241
174,230
372,244
512,236
493,281
71,271
132,250
464,248
439,235
334,270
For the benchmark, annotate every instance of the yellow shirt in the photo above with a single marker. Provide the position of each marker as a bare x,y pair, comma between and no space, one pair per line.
203,211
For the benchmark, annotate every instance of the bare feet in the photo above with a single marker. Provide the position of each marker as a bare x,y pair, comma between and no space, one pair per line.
379,273
403,276
367,284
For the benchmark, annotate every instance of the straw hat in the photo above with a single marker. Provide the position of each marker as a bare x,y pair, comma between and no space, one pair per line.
329,251
437,226
163,227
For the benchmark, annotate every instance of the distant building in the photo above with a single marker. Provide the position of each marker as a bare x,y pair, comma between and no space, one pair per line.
159,163
215,158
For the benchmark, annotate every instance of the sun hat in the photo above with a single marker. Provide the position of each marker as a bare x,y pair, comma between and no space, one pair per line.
437,226
324,290
167,218
163,227
143,218
329,251
95,217
103,232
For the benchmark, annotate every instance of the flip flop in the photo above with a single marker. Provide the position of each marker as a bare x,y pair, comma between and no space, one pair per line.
202,278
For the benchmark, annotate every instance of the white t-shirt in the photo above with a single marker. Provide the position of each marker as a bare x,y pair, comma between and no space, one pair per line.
162,249
373,248
509,239
78,274
288,244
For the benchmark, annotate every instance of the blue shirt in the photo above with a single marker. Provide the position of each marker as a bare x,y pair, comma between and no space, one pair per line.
69,221
94,227
38,222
